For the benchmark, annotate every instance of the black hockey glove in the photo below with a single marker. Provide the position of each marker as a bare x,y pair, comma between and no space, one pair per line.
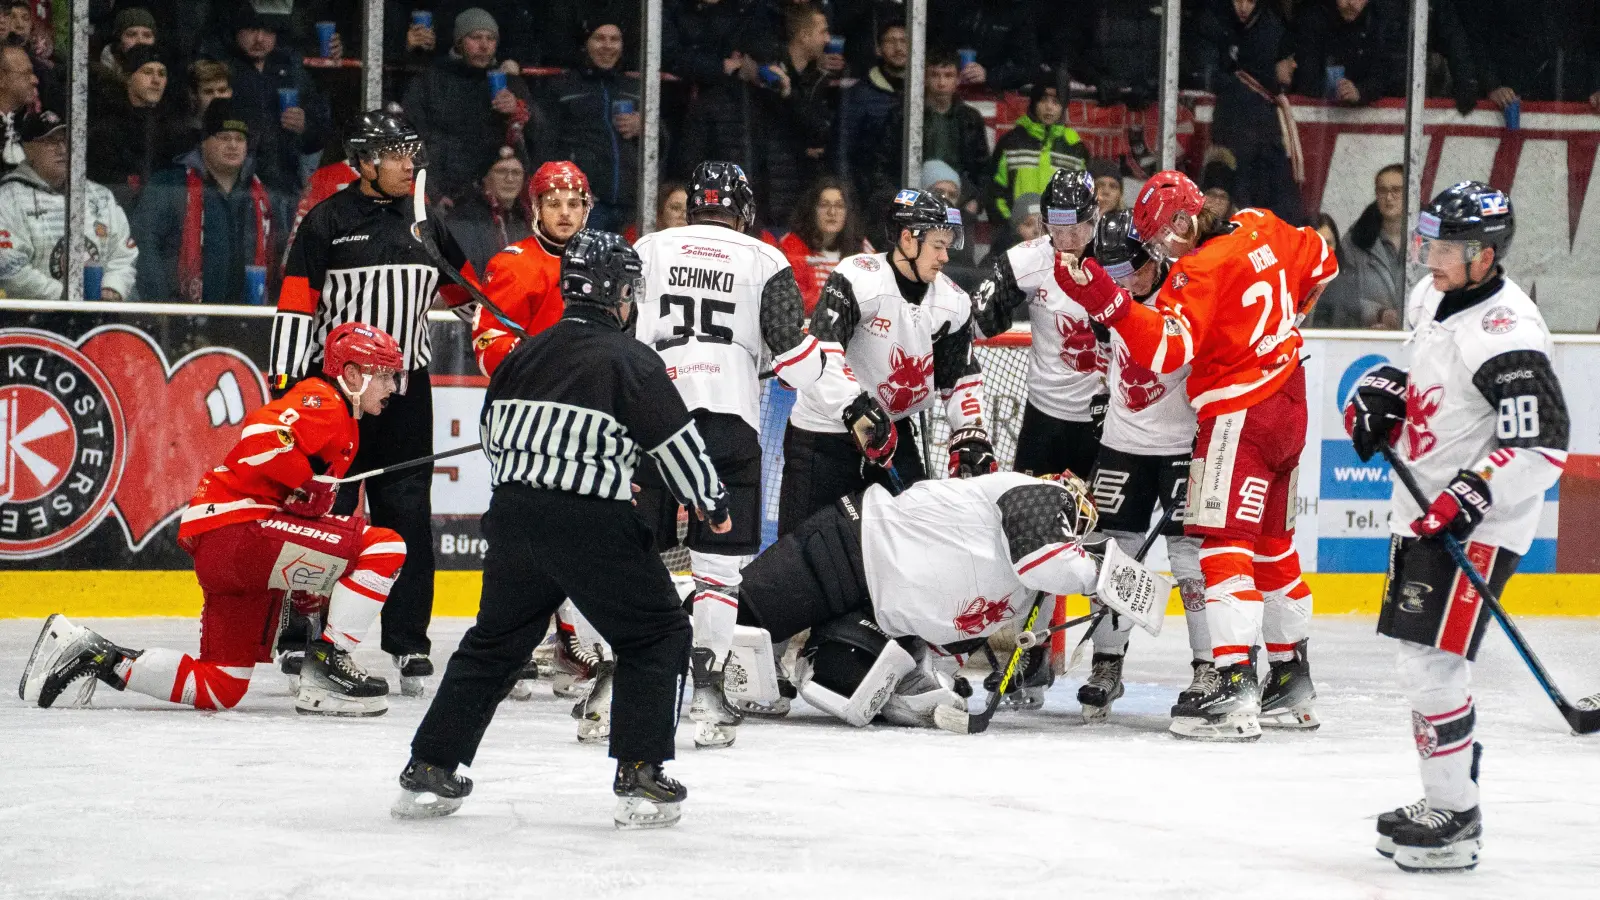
1098,407
869,424
1376,411
971,453
1458,509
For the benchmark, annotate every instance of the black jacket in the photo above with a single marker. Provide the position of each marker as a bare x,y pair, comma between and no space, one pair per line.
1372,50
696,37
1003,32
1244,119
577,107
1542,49
972,162
449,106
255,98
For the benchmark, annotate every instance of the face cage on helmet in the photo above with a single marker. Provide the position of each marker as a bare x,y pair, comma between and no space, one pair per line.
412,150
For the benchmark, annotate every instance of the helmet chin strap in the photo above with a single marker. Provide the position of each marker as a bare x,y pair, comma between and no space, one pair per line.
911,264
355,396
377,186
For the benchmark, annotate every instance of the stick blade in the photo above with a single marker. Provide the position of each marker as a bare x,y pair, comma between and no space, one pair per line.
1582,721
957,722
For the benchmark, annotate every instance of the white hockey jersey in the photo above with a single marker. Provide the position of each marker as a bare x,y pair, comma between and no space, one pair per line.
1482,395
715,302
955,559
1149,414
904,353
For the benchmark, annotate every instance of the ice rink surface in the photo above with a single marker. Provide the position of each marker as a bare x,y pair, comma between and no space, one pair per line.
137,799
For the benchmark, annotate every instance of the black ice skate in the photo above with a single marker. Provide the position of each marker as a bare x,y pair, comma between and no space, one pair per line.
1229,713
331,684
1439,840
1103,687
646,797
594,711
716,722
66,653
1203,682
1288,692
428,791
1390,821
414,667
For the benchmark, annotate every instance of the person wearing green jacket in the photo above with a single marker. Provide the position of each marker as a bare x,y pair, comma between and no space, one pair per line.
1026,156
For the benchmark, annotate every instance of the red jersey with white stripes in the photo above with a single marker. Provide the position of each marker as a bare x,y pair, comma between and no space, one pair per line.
308,431
524,281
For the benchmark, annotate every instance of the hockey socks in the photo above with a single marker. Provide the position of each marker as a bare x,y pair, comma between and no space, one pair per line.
180,678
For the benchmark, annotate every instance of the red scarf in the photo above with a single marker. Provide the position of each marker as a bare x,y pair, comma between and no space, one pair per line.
190,265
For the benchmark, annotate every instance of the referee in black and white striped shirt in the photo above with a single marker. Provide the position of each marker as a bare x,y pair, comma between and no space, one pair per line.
565,420
354,259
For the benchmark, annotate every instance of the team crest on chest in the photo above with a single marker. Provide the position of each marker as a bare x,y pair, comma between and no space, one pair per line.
1499,320
1079,351
906,385
868,263
1422,404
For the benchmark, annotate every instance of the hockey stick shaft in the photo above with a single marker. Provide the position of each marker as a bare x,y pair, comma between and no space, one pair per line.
1581,721
419,216
421,461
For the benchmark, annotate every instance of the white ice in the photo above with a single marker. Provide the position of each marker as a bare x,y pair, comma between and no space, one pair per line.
139,799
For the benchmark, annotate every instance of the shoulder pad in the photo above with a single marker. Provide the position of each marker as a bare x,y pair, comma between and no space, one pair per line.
1505,322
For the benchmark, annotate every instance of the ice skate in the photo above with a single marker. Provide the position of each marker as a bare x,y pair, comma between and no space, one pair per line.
66,653
1028,684
646,797
544,655
414,667
777,709
1103,687
1389,821
1202,683
1228,713
716,722
594,711
1439,840
522,688
1287,695
572,671
332,684
428,792
290,662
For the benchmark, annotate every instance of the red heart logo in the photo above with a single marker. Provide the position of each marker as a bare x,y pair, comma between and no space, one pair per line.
181,420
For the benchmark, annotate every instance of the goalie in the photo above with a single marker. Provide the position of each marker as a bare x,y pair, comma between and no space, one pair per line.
877,577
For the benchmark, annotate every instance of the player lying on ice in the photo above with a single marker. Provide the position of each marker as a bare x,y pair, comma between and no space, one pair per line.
259,530
878,577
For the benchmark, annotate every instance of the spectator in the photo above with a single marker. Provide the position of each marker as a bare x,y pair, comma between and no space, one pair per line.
138,133
1124,62
1339,305
1027,221
1508,50
1107,185
33,216
866,107
287,116
494,213
19,92
1349,51
588,125
1026,156
208,80
215,201
952,130
133,26
518,23
939,177
703,41
461,123
810,103
1374,262
1004,34
672,209
825,229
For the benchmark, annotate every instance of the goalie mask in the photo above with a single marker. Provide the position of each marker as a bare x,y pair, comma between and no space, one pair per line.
1078,513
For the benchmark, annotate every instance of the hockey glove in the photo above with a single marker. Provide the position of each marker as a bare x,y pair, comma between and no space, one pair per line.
971,453
1376,411
1086,283
869,424
1458,509
1098,407
311,500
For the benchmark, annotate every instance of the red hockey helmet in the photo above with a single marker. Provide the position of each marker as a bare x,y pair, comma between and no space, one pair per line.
1167,206
561,175
363,345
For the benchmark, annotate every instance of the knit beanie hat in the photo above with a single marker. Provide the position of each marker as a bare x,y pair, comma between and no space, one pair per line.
1023,207
937,170
475,19
132,17
139,56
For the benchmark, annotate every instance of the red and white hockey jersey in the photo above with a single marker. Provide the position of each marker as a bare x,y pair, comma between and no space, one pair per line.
1482,395
1149,414
953,559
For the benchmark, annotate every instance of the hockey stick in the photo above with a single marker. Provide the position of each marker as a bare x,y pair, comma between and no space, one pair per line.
1582,721
420,461
1144,548
962,722
419,218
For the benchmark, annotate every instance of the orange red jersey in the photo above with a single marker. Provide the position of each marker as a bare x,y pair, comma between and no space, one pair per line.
524,281
274,456
1230,311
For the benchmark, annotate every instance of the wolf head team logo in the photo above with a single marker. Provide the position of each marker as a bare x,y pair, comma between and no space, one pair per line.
1422,404
906,385
1139,386
982,613
1080,352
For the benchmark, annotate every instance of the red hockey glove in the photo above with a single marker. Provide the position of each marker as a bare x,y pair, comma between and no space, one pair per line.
1458,509
874,433
1376,411
971,453
312,499
1091,288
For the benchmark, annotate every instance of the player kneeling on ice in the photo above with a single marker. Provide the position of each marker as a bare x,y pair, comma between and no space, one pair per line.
1478,418
259,530
877,577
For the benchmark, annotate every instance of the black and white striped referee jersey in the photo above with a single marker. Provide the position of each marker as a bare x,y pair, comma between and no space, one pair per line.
572,408
354,259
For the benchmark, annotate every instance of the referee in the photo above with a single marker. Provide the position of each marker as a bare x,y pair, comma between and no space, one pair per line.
355,259
564,421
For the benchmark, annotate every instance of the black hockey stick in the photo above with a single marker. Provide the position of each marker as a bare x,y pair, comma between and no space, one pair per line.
1139,555
419,230
962,722
1582,721
420,461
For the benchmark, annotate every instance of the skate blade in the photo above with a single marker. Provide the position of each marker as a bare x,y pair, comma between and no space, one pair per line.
413,686
712,736
312,701
1295,718
568,688
55,638
1240,727
1095,715
777,709
423,805
522,690
1457,857
637,813
593,732
1386,846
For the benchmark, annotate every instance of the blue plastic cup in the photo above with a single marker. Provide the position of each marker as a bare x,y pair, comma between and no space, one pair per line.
1333,75
623,108
325,32
835,45
421,18
967,57
768,76
497,83
255,285
1514,115
288,98
93,275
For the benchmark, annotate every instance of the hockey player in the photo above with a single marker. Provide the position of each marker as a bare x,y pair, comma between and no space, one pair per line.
565,420
877,577
716,302
259,530
1478,417
1144,457
1229,310
906,332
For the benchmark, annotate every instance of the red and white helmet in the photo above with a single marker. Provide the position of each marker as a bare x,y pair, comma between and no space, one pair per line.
1167,207
363,345
561,175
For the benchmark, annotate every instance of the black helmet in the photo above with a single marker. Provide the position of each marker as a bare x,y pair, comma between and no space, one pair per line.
1117,246
722,185
921,212
375,131
1473,212
599,267
1069,209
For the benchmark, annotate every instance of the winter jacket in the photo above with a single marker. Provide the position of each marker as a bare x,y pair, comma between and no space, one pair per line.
449,107
255,98
1372,50
1542,49
1126,52
864,111
1374,270
1003,32
1244,120
129,144
483,228
33,228
1024,159
970,135
696,37
577,105
229,237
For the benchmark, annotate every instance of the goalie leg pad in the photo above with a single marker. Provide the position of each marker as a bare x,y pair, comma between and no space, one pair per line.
852,669
751,673
919,693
